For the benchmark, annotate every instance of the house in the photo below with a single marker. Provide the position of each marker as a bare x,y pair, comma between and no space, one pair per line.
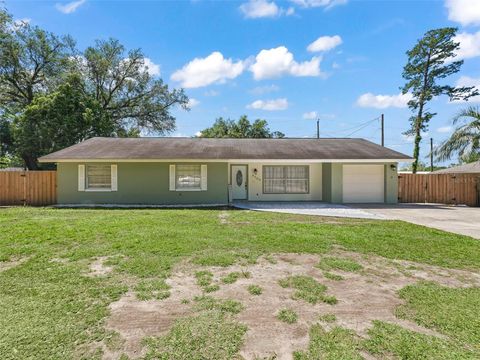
470,168
177,171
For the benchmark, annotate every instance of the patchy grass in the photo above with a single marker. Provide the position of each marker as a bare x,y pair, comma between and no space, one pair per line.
308,289
328,318
148,289
231,278
211,288
337,343
453,312
210,303
204,278
288,316
389,339
336,263
254,289
208,335
332,276
50,309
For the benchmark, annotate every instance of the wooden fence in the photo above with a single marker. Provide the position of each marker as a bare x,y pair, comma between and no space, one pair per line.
439,188
28,188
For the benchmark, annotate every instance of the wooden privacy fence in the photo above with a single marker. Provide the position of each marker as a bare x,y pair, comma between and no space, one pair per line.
28,188
439,188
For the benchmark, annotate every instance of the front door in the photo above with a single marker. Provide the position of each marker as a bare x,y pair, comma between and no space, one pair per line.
239,182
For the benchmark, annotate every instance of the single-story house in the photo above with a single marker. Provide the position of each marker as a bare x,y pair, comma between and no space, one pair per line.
181,171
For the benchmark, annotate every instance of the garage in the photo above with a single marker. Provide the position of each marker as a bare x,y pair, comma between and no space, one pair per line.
363,184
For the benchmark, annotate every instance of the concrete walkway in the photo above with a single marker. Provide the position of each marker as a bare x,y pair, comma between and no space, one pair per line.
309,208
462,220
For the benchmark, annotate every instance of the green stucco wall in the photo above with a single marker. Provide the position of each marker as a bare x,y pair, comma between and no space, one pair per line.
142,183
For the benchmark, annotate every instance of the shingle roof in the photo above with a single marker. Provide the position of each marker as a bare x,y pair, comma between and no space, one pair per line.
471,168
217,149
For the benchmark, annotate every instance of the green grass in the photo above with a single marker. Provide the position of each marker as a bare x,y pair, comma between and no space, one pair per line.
308,289
332,276
336,263
337,343
254,289
148,289
204,278
288,316
51,309
453,312
231,277
328,318
206,302
387,339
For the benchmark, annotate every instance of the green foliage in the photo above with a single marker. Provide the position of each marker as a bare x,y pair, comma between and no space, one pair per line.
336,263
204,277
332,276
254,289
307,288
328,318
210,303
242,129
389,339
287,315
337,343
231,278
429,61
453,312
465,140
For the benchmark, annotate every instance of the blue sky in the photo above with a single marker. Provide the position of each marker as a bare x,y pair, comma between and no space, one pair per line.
288,62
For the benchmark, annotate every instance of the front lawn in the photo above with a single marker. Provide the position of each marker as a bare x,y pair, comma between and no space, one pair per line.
52,307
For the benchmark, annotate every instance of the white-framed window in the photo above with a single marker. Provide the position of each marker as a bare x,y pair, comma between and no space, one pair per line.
285,179
101,177
98,177
188,177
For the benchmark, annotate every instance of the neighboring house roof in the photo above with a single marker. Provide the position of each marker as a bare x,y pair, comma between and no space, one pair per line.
470,168
12,169
217,149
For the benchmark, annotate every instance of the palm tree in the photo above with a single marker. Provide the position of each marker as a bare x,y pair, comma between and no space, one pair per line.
465,140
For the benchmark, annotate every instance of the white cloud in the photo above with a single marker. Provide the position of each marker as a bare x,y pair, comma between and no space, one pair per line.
325,43
193,102
152,68
269,105
469,45
327,4
211,93
279,61
70,7
384,101
444,129
260,90
198,134
468,81
466,12
310,115
254,9
205,71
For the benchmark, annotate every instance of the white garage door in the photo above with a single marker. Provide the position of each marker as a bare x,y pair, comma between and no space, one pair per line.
363,184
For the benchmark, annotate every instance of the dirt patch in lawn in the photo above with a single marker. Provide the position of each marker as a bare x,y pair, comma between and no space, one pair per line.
362,296
98,267
6,265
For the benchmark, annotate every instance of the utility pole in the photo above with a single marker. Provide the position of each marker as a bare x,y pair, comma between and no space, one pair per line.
431,154
382,122
318,128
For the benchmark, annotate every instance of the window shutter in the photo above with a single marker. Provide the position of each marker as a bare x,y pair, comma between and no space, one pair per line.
172,177
203,182
81,177
113,172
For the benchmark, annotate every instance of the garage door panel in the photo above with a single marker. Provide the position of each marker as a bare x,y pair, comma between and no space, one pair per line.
363,183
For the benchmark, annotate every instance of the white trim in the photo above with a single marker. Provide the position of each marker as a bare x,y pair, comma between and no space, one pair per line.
229,160
98,190
81,177
113,177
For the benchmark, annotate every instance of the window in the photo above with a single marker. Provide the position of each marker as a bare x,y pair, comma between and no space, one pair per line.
99,177
285,179
188,177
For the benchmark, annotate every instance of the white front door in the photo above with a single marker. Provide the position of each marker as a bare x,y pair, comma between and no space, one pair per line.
239,182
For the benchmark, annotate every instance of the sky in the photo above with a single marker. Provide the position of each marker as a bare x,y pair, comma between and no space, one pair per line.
289,62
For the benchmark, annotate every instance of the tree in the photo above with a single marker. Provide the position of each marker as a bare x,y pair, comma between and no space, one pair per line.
431,60
59,119
121,83
465,140
242,129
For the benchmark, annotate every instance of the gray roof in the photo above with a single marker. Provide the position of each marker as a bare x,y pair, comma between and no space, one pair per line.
471,168
217,149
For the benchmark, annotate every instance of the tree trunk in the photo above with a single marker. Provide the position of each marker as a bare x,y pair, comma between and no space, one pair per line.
418,138
30,162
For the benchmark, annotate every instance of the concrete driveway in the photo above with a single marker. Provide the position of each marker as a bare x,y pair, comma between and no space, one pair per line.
456,219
